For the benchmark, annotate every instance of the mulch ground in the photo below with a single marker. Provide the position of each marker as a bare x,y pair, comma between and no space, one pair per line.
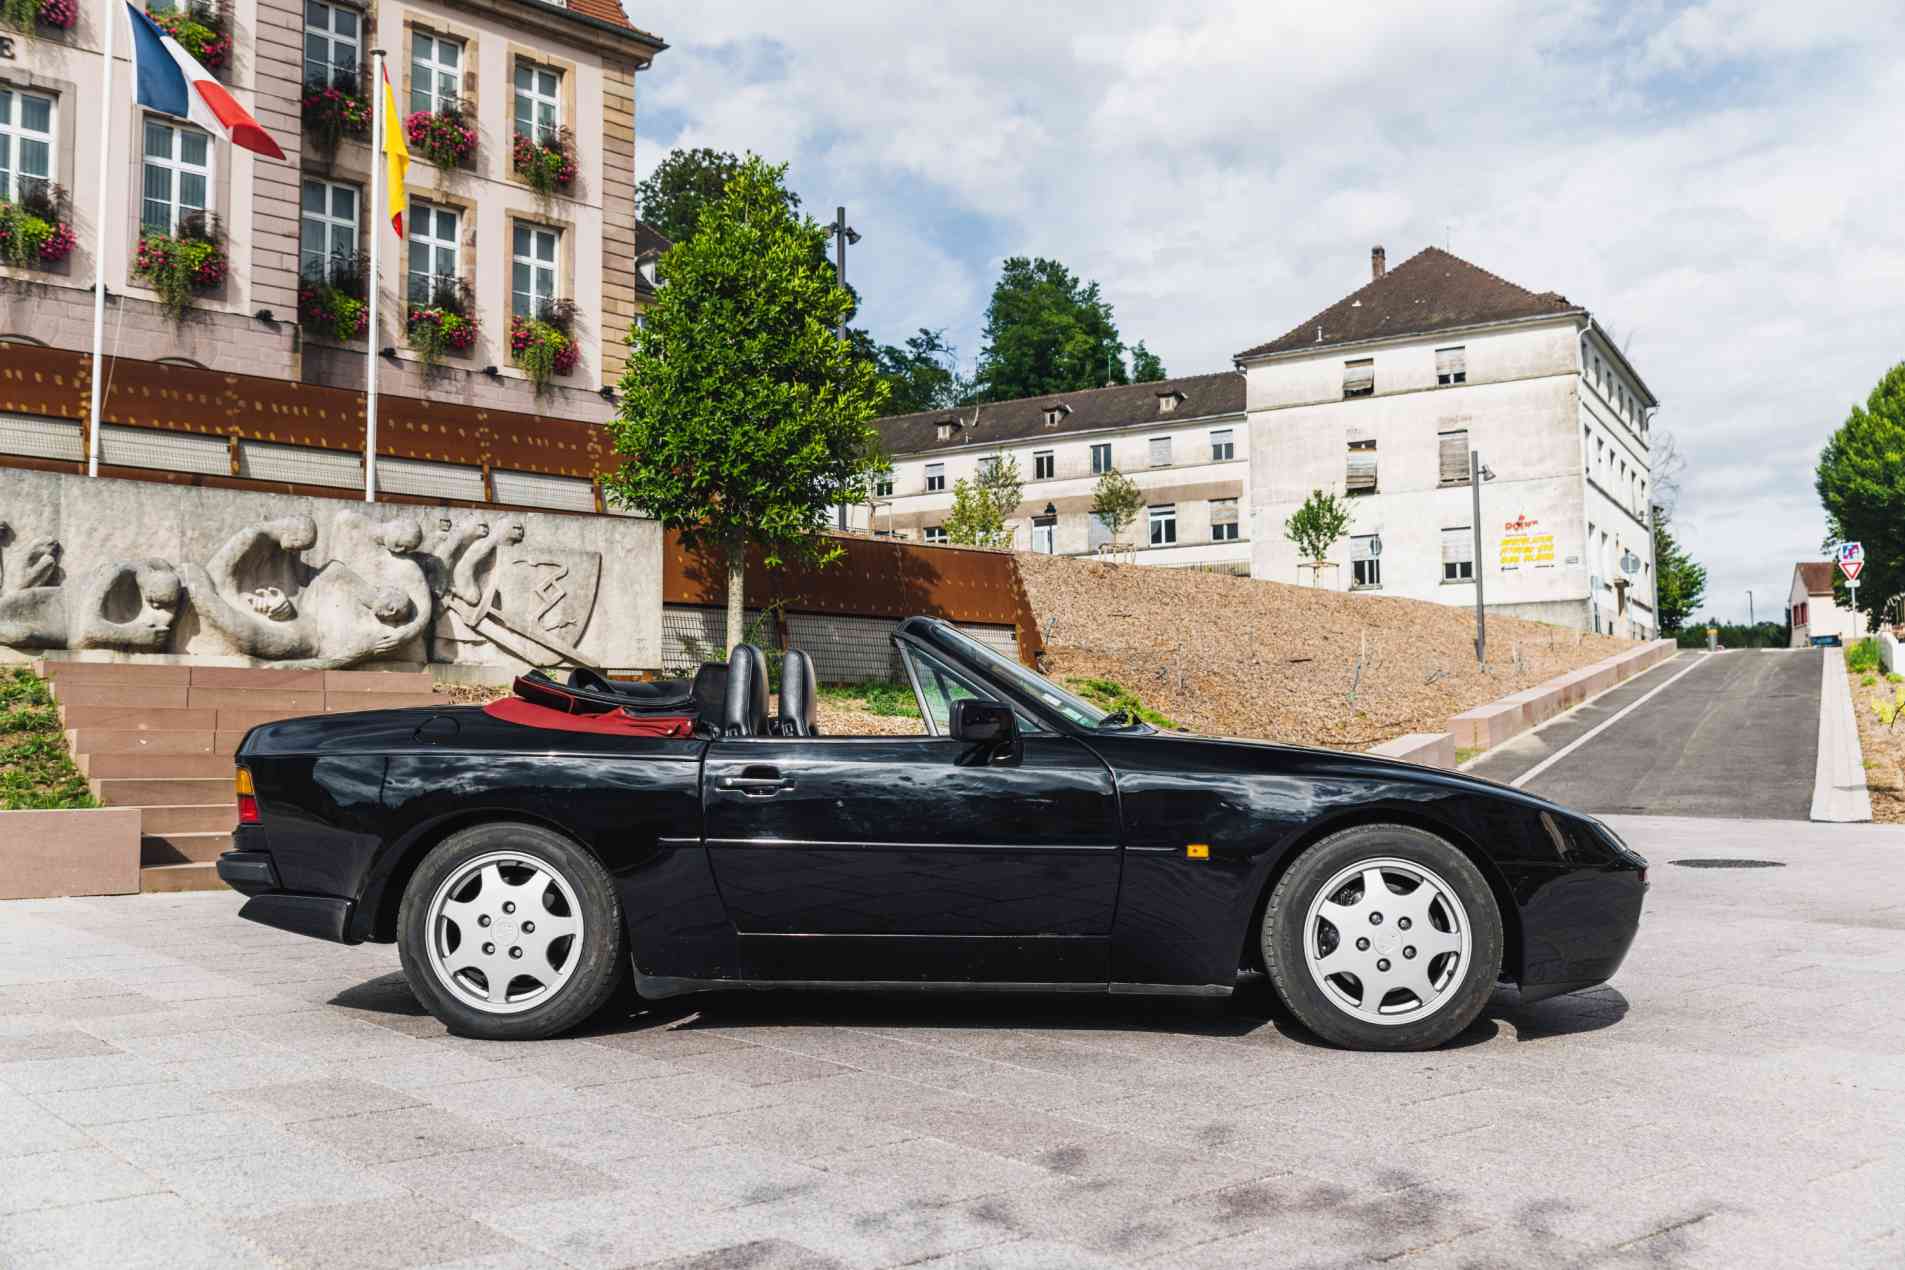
1234,656
1883,748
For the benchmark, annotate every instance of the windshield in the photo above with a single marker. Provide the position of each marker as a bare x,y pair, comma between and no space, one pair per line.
1030,682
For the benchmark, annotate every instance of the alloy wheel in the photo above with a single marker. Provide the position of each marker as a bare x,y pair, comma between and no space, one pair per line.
504,932
1387,941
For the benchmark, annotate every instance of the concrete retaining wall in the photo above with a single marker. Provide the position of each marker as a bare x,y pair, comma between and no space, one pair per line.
49,853
1487,726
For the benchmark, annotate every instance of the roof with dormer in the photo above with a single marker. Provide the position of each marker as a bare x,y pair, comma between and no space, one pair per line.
1089,410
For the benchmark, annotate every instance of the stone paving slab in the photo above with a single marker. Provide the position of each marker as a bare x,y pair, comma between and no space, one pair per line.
180,1088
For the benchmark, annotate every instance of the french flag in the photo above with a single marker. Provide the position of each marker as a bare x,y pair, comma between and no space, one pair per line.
169,80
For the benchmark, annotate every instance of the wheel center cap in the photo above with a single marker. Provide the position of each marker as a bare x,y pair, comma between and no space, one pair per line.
1386,943
504,928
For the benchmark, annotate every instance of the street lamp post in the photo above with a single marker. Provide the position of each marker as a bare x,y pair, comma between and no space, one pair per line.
843,234
1749,609
1477,473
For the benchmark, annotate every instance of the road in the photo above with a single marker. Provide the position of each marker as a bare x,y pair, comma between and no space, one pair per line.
1732,736
184,1088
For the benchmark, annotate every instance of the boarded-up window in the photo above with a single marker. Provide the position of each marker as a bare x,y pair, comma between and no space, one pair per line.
1451,366
1458,554
1223,520
1360,474
1098,534
1453,457
1160,451
1359,377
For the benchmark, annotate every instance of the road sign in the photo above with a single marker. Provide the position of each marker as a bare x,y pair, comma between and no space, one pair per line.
1852,569
1854,551
1630,563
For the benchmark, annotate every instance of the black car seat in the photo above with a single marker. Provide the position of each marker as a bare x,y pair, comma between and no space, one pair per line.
709,692
744,711
798,695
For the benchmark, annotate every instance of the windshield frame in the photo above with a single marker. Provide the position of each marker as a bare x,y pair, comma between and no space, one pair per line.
1062,709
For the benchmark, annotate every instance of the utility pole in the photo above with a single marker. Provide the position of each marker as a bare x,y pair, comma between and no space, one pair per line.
1749,609
843,234
1475,497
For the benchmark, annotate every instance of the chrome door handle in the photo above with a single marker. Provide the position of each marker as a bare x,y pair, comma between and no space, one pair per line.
755,786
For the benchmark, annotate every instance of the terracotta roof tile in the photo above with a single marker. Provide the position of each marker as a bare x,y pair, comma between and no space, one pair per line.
1817,575
1120,406
1430,291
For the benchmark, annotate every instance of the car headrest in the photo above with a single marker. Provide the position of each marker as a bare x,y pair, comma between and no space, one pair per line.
710,690
745,711
798,695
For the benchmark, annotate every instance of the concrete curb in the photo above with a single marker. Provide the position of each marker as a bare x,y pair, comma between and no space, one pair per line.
1839,795
1431,749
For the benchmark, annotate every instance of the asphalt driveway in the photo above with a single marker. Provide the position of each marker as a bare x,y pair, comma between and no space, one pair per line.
181,1088
1735,736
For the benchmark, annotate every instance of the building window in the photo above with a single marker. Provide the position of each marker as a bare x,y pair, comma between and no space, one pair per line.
1223,520
1055,413
1222,445
533,274
1451,366
435,249
538,103
1359,377
934,533
883,484
327,229
935,477
943,432
1045,535
1101,458
1163,521
26,143
1160,451
989,466
1360,472
1167,401
1458,554
436,72
1365,570
1044,464
330,41
178,174
1452,460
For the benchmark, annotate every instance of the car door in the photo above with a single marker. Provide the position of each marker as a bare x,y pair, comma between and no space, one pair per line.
915,857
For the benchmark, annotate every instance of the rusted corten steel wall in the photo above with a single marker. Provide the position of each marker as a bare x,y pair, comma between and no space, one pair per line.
876,578
873,578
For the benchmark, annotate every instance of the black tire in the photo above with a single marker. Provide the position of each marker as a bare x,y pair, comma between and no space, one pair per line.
1468,984
599,951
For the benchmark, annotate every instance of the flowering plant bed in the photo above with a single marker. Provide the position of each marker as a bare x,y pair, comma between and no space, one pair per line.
182,266
200,30
444,136
545,345
334,110
25,15
547,160
333,298
34,231
445,324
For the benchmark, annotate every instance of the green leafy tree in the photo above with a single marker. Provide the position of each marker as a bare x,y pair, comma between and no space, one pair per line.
1861,483
1317,524
922,375
1116,501
673,197
744,418
1146,366
1046,331
982,505
1682,583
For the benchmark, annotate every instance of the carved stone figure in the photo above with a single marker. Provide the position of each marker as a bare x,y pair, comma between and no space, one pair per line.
129,606
368,601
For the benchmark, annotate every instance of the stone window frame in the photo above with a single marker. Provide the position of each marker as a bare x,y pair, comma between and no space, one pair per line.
64,93
363,198
565,105
565,277
305,32
441,27
466,270
218,199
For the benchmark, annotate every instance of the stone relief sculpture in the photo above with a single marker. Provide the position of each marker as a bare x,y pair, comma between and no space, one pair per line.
383,591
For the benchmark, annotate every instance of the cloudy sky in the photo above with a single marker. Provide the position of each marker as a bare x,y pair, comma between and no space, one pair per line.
1720,183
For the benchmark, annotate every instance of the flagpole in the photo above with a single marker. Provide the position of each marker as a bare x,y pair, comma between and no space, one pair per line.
376,277
99,237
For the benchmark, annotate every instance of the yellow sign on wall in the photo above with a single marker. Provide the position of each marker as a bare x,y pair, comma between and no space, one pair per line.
1520,545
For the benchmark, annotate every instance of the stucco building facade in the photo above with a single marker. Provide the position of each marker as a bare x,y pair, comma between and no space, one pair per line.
1183,442
508,66
1813,608
1380,399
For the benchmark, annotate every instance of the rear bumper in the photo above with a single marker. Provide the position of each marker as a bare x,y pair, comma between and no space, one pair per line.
251,873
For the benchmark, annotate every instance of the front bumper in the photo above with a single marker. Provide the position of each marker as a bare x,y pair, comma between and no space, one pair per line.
251,873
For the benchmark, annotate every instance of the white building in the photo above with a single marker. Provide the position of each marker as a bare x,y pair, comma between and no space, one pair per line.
1813,609
1382,396
1182,441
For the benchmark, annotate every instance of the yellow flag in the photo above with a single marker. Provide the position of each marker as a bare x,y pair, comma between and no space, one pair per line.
396,157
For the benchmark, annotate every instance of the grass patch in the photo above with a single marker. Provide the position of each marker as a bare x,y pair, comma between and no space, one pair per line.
1108,694
36,772
879,696
1863,656
1463,753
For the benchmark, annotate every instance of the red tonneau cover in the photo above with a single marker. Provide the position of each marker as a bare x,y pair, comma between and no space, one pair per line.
613,722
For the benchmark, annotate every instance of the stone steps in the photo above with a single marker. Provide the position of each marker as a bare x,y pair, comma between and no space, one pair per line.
160,737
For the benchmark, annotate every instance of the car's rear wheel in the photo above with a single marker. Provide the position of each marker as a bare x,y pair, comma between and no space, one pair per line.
511,932
1383,937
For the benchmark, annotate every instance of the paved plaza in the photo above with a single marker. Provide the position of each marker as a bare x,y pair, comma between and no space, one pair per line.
182,1088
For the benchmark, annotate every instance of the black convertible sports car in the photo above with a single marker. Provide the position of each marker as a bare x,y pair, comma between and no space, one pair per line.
527,855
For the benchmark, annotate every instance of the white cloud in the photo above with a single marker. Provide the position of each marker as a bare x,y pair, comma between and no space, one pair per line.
1713,180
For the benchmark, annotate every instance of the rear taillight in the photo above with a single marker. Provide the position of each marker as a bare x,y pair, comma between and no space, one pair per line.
247,798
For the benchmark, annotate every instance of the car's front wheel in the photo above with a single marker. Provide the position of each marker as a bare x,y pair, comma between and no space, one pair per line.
1383,937
511,932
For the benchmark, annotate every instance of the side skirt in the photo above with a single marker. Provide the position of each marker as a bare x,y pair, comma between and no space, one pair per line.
658,987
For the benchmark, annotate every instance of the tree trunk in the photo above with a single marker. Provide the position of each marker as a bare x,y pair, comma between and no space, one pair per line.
737,575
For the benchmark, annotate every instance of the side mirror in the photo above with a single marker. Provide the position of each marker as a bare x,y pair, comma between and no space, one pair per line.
983,722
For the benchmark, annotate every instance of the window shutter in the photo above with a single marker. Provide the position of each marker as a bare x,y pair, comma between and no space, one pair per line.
1359,377
1361,473
1160,451
1454,461
1458,545
1451,365
1223,511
